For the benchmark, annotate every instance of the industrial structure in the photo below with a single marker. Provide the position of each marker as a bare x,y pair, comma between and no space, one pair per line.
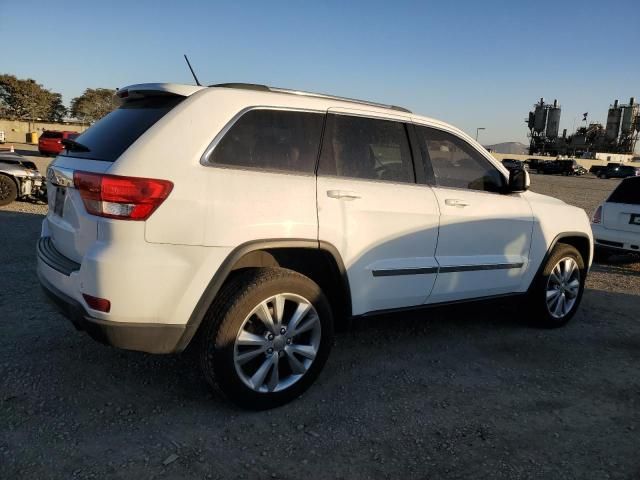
618,136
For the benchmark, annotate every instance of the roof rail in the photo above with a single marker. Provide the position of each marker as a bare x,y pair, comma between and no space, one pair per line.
265,88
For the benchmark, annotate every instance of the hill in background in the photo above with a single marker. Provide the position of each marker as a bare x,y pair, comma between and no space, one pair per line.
514,148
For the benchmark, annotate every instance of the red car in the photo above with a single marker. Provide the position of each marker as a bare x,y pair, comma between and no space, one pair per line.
50,142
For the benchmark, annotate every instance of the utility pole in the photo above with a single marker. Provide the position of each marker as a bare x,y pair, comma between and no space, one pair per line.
478,131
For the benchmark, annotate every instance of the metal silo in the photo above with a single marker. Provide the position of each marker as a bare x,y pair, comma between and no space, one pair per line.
540,117
630,113
613,121
553,120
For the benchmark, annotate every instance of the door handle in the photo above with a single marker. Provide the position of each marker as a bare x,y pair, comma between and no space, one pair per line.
454,202
342,194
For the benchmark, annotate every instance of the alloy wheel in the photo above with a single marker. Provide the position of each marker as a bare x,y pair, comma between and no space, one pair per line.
563,286
277,343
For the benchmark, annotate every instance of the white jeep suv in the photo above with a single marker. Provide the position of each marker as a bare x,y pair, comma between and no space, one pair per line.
249,221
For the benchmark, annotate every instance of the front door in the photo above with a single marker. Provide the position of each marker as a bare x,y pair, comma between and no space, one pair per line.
485,234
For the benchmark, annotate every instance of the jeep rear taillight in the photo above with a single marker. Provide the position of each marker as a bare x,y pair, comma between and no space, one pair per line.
124,198
597,216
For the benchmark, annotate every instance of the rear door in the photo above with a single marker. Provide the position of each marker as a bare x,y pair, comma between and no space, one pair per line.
622,210
70,227
485,235
370,208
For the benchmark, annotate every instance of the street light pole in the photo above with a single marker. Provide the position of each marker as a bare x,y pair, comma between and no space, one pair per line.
478,131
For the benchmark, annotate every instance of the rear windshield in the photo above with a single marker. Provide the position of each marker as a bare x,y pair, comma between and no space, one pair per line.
51,135
627,192
113,134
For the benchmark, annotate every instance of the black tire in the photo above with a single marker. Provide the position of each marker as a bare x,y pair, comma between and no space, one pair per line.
8,190
225,318
601,254
540,313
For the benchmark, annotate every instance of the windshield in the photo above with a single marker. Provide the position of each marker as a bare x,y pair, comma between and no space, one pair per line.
112,135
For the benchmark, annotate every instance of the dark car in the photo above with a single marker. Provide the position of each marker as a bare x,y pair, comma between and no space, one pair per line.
50,142
620,171
560,167
513,164
534,163
598,170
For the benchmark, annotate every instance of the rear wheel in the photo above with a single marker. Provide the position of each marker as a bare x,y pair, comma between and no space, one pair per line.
557,292
266,337
8,190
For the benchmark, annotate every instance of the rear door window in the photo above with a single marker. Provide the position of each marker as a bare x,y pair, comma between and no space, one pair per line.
366,148
627,192
108,138
285,140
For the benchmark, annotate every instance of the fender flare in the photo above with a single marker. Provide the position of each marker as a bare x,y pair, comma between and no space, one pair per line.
553,244
225,269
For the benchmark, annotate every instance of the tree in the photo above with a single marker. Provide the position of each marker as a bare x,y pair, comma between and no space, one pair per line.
93,104
28,100
57,111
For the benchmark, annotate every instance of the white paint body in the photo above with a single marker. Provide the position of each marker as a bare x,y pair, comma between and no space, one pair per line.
156,271
617,226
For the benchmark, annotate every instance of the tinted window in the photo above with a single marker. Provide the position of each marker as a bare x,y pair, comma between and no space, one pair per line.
272,140
51,135
627,192
457,164
108,138
366,148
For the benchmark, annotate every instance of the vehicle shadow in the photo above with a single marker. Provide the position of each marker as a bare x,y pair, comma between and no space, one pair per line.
622,264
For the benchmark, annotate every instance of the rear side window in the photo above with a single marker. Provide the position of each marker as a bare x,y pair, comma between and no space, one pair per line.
272,140
108,138
457,164
51,135
627,192
366,148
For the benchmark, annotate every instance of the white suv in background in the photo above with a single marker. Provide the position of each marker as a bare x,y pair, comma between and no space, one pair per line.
616,223
250,221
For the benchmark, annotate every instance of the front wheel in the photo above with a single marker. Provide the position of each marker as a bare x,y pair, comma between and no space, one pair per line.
557,291
266,337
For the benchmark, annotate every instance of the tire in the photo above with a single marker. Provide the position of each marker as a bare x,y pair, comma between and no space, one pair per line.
552,315
601,254
8,190
234,369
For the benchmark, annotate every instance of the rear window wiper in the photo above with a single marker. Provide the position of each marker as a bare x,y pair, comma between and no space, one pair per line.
73,146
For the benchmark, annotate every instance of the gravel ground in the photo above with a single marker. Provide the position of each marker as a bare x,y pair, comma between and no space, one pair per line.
469,392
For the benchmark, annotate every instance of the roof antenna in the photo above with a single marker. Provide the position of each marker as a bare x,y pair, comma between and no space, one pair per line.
192,72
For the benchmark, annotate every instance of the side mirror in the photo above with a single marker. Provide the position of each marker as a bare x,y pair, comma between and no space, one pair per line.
518,180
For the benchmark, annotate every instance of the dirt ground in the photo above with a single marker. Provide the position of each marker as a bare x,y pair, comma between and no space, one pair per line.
467,393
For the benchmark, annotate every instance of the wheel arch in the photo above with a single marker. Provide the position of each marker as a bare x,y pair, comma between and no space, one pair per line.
579,240
319,261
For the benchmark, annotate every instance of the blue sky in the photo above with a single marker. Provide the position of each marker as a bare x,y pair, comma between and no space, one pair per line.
474,64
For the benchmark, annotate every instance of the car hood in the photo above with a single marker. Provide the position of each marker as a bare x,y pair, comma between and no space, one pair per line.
543,199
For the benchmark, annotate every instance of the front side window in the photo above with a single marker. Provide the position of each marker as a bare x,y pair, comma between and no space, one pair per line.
366,148
272,140
457,164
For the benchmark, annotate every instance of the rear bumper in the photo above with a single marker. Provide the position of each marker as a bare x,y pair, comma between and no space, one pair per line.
151,338
615,239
